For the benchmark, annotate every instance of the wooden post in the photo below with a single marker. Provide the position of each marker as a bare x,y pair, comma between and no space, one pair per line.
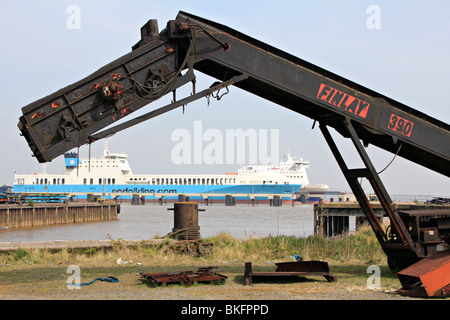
248,273
320,220
315,220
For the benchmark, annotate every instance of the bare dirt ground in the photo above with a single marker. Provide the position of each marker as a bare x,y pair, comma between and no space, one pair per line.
48,282
282,298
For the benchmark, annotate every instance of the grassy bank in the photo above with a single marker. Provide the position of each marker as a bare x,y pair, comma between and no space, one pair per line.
361,246
42,273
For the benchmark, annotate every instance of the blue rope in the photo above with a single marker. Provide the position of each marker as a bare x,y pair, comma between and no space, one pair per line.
108,279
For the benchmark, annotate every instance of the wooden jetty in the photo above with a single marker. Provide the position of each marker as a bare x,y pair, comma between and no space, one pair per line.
45,214
332,218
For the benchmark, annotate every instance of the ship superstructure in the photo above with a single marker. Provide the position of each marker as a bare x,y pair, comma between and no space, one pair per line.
112,174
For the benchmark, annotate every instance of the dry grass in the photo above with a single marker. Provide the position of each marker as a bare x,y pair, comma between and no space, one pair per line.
361,246
42,274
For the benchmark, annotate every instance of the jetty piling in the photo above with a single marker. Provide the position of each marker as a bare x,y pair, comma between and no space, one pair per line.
45,214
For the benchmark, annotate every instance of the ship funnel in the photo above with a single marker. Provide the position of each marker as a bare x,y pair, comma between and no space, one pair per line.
71,160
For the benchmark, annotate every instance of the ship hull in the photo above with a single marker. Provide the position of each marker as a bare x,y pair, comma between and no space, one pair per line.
240,192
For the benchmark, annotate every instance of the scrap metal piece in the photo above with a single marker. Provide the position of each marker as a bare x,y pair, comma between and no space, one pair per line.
311,268
203,274
292,269
430,277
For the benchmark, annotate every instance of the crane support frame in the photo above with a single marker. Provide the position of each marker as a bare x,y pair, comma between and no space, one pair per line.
163,61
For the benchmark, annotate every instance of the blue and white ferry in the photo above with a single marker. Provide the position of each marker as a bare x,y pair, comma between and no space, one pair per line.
112,176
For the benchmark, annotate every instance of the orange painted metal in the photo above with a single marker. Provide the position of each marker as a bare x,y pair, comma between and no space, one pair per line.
431,274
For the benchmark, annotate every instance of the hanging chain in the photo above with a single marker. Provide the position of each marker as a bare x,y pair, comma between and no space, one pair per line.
89,157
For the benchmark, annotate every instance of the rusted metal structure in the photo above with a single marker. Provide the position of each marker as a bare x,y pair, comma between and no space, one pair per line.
425,278
163,61
292,269
187,231
185,224
195,248
204,274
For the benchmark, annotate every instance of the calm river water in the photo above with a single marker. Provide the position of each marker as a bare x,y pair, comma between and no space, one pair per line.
150,220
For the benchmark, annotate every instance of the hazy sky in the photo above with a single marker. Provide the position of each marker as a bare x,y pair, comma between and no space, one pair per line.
406,59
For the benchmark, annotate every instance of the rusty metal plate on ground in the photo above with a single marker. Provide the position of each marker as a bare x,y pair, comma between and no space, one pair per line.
204,274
